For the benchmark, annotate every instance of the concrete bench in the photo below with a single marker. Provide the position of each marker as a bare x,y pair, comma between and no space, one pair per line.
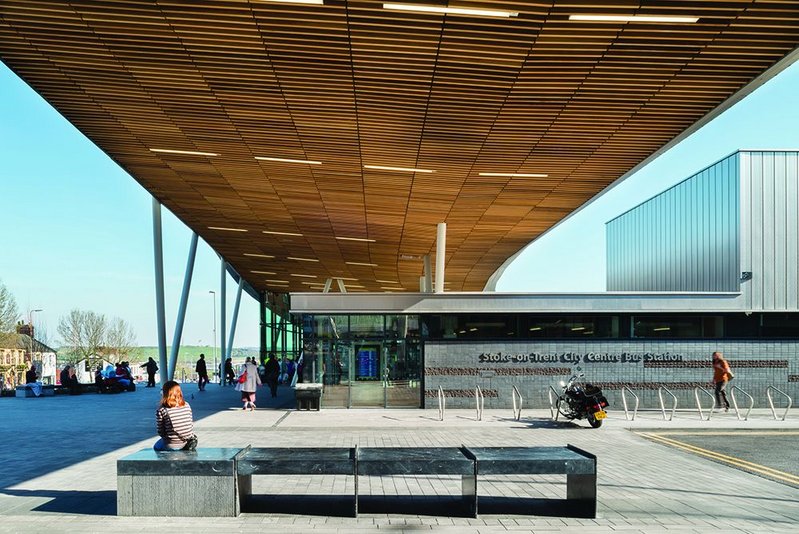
25,391
578,466
178,483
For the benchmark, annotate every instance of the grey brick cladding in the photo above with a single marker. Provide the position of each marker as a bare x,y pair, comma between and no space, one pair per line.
641,365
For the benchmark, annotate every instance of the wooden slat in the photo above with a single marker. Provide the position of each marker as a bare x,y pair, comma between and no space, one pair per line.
351,84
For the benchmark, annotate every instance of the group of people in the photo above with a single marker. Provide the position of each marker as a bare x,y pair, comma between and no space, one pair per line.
250,378
114,378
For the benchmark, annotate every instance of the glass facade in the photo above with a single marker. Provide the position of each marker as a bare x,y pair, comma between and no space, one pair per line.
378,360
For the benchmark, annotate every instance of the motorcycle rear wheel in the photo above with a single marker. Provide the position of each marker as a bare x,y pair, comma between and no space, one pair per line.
593,421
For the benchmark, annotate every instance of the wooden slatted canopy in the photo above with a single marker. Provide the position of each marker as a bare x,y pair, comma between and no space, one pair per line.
350,84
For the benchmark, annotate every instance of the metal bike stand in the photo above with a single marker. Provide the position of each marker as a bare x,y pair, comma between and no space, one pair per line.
735,402
553,398
771,402
517,403
624,402
662,389
699,403
480,399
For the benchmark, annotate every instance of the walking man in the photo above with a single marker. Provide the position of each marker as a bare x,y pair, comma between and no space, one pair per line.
272,370
721,375
151,367
202,372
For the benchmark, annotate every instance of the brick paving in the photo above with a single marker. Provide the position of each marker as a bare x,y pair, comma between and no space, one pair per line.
58,470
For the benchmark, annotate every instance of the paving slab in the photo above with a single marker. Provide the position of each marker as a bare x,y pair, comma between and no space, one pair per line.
58,467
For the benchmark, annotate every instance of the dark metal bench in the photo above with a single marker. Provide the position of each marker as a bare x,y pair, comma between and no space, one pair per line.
578,465
215,482
296,461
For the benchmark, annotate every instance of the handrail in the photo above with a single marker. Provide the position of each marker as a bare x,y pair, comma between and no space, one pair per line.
553,411
442,403
517,407
735,403
699,404
480,400
624,401
661,389
771,402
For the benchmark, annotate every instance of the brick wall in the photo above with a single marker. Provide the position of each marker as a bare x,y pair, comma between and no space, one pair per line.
640,365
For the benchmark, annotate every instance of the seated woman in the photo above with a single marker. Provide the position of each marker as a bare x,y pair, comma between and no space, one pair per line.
173,420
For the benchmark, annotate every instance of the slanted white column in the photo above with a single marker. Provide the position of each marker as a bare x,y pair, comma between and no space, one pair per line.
222,309
184,299
441,252
158,254
341,286
235,319
328,283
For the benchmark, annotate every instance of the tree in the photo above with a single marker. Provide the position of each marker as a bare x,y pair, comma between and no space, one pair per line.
119,339
9,314
83,336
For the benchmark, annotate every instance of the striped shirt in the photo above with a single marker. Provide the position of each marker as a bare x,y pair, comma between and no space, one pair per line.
175,425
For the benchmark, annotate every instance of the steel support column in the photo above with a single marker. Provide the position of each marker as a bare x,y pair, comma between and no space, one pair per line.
235,319
158,254
222,320
184,299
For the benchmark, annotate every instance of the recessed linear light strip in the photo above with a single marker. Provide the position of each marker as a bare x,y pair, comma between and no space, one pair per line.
251,255
393,288
362,264
287,160
272,232
421,8
302,259
364,239
184,152
633,18
278,281
264,272
304,275
316,2
397,169
513,174
226,229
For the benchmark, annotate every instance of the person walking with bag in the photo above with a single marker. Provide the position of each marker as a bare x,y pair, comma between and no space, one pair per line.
174,421
248,382
721,375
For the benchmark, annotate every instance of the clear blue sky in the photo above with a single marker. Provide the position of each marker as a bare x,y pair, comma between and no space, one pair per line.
77,229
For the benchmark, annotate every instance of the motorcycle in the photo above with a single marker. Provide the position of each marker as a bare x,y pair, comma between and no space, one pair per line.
582,402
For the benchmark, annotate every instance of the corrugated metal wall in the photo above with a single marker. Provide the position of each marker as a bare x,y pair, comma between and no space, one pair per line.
770,229
684,239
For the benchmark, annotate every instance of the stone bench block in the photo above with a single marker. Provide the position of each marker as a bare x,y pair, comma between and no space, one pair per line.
178,483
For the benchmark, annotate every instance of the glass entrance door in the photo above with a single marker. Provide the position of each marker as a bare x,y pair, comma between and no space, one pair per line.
366,375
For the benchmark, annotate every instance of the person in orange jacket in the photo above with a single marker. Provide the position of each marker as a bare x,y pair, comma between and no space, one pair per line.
721,375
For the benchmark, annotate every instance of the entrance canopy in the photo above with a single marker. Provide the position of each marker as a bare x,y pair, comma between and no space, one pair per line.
310,140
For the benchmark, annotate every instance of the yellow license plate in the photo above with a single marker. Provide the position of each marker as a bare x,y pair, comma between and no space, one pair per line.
600,415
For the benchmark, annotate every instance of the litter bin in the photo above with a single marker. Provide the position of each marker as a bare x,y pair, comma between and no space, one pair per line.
309,396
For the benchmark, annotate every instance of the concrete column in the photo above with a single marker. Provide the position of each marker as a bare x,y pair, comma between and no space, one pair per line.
222,309
235,319
441,252
428,275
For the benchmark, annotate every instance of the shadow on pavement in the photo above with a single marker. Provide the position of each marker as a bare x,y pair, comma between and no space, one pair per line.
71,502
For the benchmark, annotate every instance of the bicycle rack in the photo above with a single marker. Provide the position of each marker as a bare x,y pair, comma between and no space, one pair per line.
481,400
517,404
661,389
699,403
735,402
771,402
624,402
442,403
553,410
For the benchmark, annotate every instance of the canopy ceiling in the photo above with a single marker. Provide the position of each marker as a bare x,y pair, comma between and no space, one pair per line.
350,84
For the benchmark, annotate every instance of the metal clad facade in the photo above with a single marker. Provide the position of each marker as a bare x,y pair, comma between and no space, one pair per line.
770,229
684,239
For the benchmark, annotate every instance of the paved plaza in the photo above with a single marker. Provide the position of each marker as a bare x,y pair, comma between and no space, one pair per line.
58,468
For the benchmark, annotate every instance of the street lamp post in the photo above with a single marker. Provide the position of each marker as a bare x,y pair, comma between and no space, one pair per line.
216,369
30,327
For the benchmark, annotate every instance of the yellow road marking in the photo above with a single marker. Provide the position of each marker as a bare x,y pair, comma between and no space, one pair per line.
731,460
739,433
